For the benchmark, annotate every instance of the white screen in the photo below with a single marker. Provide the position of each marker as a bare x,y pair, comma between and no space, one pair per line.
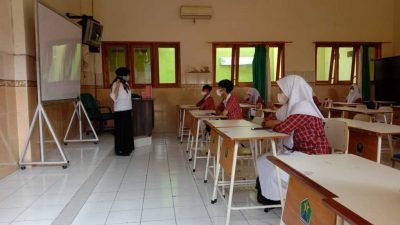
60,56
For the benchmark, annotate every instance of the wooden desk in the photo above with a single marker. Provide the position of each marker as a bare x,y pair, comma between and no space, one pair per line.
197,116
365,138
270,110
227,158
346,104
371,112
381,103
182,116
247,106
214,138
358,190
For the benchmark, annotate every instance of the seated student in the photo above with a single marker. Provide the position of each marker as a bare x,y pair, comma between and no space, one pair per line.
253,97
354,95
300,118
207,102
230,105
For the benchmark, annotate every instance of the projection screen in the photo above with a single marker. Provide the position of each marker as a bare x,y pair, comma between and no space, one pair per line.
60,55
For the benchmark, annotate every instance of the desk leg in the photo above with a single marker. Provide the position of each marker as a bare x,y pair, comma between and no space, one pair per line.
228,214
196,145
217,167
182,125
208,162
329,113
191,147
390,140
188,142
278,176
378,157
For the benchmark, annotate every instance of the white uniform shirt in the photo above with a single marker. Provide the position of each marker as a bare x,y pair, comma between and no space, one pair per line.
124,100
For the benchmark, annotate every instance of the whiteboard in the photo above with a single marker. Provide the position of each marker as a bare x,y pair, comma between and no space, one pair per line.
60,55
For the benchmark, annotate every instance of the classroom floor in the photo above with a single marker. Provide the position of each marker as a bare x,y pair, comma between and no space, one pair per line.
153,186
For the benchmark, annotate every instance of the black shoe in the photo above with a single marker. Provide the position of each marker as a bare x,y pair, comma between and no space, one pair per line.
123,153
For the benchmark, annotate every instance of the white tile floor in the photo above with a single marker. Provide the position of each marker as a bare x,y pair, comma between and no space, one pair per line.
155,186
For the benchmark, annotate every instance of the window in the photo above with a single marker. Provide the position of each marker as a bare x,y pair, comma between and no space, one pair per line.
339,63
151,63
233,61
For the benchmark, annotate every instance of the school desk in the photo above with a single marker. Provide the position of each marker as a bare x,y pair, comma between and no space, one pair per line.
196,117
182,116
214,139
247,106
326,189
365,138
382,103
270,110
228,157
346,104
353,111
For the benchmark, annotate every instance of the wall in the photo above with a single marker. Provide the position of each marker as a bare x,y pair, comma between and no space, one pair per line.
301,22
18,92
396,25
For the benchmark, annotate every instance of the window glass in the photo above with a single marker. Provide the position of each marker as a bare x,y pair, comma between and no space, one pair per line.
345,63
223,64
142,65
323,63
116,59
166,65
246,55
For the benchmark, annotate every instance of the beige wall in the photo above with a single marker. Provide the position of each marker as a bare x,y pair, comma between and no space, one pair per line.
396,39
301,22
18,98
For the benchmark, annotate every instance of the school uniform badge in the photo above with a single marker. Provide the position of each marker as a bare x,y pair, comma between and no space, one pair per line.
305,211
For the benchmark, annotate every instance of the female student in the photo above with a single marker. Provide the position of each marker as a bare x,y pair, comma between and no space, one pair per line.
229,106
207,102
253,97
354,95
121,95
300,118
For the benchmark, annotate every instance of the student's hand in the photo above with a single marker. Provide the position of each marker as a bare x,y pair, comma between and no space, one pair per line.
270,123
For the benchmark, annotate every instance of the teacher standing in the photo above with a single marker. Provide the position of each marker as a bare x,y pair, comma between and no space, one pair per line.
121,95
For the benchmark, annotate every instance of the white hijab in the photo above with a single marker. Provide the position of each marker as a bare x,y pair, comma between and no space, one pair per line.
253,95
353,95
300,101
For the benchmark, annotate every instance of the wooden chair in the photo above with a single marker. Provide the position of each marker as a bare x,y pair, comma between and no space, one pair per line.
395,158
337,133
362,117
385,117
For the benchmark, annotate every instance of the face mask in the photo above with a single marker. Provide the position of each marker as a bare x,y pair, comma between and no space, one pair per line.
219,93
126,78
204,93
351,90
282,99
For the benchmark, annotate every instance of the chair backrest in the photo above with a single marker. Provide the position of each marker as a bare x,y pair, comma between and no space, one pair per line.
361,107
91,106
385,117
362,117
259,113
337,134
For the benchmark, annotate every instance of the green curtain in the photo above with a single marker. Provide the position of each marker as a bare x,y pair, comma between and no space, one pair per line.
365,75
260,71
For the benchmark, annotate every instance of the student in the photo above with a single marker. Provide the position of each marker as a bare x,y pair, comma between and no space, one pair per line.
354,95
207,102
253,97
121,95
230,105
300,118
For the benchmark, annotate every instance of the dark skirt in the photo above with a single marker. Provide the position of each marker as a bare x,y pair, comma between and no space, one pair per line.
124,144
